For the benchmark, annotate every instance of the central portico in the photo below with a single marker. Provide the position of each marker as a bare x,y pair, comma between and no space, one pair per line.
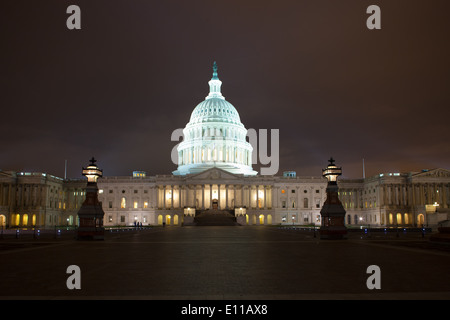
213,187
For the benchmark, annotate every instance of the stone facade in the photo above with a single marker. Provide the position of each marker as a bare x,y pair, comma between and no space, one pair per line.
390,200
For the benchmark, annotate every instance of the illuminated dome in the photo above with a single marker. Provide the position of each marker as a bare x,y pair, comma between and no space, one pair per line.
215,137
215,110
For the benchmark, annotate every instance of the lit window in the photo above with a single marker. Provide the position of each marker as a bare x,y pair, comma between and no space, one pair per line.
135,204
100,191
283,191
123,203
145,204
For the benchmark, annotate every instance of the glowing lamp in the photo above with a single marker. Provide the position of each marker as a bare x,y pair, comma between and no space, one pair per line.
91,213
92,172
332,171
332,212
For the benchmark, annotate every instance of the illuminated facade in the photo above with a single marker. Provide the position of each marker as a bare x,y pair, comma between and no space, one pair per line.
393,199
215,173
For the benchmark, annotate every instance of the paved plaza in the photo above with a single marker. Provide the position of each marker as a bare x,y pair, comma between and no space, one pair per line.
214,263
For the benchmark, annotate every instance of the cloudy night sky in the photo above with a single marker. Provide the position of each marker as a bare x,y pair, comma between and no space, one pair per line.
117,88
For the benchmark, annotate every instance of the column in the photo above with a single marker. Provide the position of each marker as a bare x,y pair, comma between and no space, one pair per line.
218,197
180,196
389,194
203,197
275,193
257,197
226,197
270,197
386,195
431,193
164,197
265,195
242,196
210,196
249,196
171,196
404,202
187,201
420,194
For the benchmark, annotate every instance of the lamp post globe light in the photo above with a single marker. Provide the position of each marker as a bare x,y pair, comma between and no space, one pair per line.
91,213
332,212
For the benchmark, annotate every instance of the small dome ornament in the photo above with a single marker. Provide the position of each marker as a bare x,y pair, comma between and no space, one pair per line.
215,77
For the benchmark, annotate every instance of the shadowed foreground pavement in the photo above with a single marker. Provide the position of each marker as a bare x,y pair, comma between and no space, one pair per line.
224,263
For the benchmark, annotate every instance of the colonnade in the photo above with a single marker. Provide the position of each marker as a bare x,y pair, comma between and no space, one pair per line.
207,196
218,153
415,194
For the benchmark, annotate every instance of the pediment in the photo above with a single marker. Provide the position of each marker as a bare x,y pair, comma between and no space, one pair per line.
434,173
214,174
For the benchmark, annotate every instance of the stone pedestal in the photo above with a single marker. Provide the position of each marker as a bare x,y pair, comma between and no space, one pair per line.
333,216
91,211
91,216
332,213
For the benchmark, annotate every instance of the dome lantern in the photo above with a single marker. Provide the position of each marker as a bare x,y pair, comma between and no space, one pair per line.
214,85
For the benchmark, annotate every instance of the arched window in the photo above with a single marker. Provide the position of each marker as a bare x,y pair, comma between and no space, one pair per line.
305,203
399,218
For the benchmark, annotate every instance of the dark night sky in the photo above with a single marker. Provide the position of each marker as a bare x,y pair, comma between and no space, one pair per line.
117,88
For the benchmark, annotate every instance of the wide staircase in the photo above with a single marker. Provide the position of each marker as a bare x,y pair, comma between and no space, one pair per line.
215,217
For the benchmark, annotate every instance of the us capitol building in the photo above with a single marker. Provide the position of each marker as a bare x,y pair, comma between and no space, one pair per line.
215,176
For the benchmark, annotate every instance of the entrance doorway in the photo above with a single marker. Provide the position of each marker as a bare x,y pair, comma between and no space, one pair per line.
215,204
420,220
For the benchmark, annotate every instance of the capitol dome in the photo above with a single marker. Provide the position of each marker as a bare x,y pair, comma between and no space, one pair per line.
215,136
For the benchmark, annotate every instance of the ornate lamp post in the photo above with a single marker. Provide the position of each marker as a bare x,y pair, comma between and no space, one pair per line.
91,212
333,213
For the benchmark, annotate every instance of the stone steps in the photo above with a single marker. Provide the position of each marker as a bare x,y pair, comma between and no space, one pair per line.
215,218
